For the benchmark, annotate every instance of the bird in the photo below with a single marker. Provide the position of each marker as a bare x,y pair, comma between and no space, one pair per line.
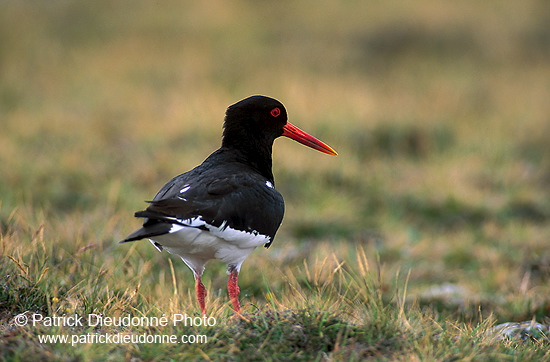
228,205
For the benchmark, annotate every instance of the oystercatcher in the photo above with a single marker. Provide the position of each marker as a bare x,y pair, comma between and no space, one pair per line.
227,206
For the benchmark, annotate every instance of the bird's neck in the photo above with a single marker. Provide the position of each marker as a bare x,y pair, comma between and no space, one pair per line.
258,158
251,148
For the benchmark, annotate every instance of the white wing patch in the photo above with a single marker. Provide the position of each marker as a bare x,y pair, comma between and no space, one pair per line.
175,228
269,184
183,190
242,239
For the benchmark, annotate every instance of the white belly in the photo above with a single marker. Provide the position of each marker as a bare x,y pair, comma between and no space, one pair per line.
196,246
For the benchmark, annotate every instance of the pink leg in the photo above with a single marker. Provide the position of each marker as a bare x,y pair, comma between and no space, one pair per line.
201,293
233,289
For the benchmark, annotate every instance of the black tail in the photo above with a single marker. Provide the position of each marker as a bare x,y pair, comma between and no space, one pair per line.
148,231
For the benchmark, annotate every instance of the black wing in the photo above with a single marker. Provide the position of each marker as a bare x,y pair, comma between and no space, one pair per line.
233,196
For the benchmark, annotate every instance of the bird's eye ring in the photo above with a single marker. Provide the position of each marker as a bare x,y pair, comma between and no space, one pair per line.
275,112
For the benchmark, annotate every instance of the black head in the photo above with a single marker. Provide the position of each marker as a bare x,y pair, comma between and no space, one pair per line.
254,121
252,125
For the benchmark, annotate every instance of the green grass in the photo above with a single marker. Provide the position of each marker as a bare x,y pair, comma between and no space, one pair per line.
429,229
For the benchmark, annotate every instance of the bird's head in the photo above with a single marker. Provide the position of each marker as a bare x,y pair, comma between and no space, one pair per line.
260,119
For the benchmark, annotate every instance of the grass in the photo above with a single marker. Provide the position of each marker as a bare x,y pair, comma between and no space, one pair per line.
428,230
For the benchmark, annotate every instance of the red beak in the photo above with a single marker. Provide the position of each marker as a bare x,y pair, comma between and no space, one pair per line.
291,131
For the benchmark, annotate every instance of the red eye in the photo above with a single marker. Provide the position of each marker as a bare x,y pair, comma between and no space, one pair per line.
275,112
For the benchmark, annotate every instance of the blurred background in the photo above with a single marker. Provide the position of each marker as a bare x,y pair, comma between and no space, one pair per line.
439,110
